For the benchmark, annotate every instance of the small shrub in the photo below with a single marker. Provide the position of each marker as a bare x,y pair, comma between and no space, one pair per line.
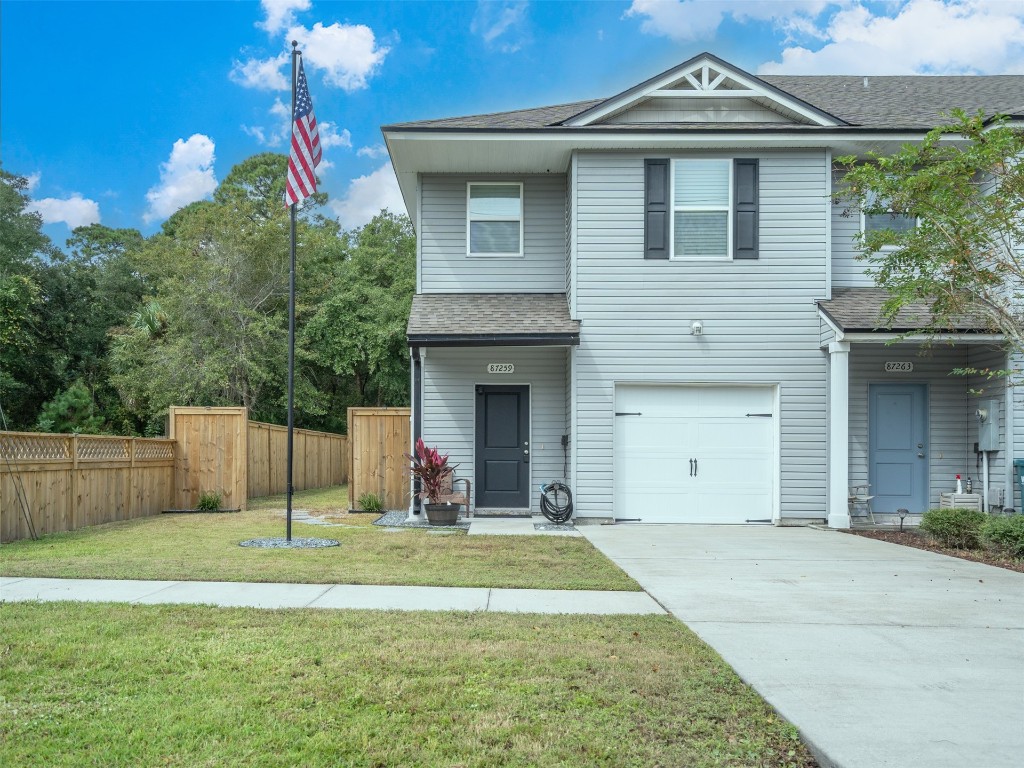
209,501
371,502
957,528
1005,534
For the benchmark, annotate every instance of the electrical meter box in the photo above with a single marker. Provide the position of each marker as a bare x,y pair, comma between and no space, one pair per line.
988,427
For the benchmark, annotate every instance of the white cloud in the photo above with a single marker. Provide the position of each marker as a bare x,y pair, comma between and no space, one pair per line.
278,133
366,196
262,74
377,150
501,24
923,36
187,176
280,14
33,181
331,137
347,54
75,211
257,132
687,20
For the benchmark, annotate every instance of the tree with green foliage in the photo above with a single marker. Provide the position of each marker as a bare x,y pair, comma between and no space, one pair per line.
27,369
964,184
358,331
72,410
217,334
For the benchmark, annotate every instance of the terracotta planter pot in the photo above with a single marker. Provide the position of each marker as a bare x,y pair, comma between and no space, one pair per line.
442,514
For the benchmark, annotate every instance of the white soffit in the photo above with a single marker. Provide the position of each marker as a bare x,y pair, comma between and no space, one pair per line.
706,77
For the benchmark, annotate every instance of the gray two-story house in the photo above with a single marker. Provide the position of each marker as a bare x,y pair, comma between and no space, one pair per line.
653,297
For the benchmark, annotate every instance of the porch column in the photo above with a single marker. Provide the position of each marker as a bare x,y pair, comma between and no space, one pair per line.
839,434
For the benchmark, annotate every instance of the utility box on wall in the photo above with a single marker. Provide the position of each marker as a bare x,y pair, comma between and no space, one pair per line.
988,425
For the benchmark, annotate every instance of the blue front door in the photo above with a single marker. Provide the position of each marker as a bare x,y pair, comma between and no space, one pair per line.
898,447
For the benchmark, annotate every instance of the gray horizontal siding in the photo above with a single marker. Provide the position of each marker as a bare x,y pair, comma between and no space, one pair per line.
760,322
698,109
449,402
847,270
981,387
1017,423
446,268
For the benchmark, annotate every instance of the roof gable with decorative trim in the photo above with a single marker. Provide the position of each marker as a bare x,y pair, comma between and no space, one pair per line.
704,89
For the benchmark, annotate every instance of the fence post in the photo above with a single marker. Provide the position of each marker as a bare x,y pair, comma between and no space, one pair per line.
75,501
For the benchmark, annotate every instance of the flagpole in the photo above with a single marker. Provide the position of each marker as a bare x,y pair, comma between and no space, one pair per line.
291,325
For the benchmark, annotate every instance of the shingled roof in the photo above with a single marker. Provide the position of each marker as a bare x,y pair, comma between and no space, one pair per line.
855,310
916,102
491,319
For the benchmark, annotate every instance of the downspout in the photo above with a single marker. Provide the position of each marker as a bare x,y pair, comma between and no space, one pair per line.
417,418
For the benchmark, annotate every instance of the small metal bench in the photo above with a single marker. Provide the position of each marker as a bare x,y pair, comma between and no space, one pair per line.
450,496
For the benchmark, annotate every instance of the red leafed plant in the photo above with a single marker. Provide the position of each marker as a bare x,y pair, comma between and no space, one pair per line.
432,468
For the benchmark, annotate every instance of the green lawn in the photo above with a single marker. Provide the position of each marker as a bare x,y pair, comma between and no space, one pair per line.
129,685
204,547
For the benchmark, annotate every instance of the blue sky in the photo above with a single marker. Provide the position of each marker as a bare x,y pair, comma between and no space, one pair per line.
122,112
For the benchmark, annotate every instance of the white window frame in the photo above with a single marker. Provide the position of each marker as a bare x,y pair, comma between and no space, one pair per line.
469,220
729,210
884,248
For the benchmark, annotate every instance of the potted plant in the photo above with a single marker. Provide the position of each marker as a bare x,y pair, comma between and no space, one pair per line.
432,469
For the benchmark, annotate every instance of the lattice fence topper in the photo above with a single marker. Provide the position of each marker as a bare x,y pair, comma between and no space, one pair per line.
154,449
34,447
102,448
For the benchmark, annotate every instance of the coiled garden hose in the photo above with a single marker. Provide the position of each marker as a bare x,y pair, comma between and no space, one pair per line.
556,502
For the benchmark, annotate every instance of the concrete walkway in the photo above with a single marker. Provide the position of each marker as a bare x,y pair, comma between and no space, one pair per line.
253,595
881,655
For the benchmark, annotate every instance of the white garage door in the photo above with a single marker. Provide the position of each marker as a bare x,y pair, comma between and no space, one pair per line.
694,454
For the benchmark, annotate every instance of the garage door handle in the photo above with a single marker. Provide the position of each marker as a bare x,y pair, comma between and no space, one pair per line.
621,413
767,415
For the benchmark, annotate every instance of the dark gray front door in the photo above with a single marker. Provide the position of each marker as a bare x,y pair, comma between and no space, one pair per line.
898,441
502,446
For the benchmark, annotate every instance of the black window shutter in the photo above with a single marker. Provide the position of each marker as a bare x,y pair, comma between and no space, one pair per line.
744,235
656,213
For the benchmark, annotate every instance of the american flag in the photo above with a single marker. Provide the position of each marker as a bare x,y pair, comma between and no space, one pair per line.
305,153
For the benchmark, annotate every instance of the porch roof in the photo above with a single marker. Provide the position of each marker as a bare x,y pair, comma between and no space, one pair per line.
858,310
491,319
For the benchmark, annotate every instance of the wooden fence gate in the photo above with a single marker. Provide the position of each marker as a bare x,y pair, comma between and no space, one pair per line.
378,440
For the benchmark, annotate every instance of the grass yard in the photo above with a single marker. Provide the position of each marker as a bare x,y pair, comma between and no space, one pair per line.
204,547
129,685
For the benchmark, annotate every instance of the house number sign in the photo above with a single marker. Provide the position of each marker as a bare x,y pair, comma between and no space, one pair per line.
896,366
501,368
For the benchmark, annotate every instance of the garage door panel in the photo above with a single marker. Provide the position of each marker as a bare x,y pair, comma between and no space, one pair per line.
662,427
746,435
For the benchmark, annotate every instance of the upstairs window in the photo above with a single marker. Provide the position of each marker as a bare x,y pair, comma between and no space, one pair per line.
701,206
899,223
494,218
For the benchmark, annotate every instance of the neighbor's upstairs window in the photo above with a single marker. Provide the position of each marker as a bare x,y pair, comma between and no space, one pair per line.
701,205
494,218
879,221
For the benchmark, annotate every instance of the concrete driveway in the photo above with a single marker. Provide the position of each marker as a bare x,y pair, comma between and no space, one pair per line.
881,655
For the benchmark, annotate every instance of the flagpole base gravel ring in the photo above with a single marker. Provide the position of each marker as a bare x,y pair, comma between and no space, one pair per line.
280,542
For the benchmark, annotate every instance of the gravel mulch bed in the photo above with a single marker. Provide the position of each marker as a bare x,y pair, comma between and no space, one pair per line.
920,540
280,542
398,519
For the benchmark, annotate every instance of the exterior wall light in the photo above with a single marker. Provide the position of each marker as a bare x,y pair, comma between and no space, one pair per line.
696,328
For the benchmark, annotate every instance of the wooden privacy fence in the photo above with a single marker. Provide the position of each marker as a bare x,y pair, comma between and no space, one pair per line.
321,459
63,482
220,450
379,438
70,481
